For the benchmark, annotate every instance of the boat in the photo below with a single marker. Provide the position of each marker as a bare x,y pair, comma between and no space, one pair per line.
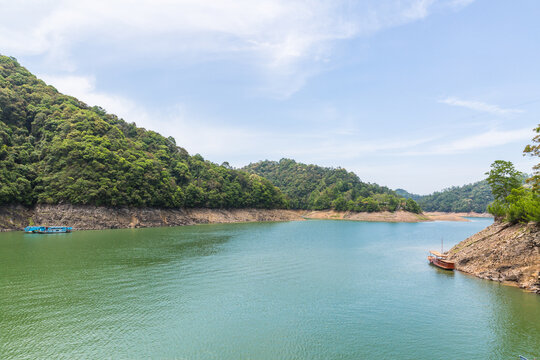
47,229
440,260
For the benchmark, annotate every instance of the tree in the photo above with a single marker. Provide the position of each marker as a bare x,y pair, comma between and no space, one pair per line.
471,197
534,150
503,178
412,206
317,188
513,202
340,204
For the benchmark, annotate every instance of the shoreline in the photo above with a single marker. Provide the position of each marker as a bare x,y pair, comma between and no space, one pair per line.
502,252
86,217
453,216
386,216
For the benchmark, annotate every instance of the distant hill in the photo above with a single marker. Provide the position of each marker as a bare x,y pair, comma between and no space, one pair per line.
315,187
467,198
56,149
408,195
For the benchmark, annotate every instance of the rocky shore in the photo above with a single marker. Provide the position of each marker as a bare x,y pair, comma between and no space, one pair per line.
94,218
502,252
82,217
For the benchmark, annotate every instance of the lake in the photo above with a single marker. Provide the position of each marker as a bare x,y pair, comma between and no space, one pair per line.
293,290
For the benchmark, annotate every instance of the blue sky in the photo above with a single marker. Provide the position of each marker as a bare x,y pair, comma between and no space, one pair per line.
417,94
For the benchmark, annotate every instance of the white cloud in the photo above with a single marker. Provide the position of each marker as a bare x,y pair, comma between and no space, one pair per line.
461,3
332,146
487,139
479,106
287,39
84,89
213,137
190,131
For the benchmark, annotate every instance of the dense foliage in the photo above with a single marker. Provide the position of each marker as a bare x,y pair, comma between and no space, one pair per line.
56,149
522,205
513,201
315,187
407,195
534,150
467,198
503,178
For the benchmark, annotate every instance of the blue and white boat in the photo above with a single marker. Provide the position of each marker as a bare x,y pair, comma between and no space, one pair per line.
47,229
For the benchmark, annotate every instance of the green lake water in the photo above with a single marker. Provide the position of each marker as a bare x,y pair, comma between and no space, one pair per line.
295,290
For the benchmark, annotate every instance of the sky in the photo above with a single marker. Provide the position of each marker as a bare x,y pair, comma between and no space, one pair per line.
413,94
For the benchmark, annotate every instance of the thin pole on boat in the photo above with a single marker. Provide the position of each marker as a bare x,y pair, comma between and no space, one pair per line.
442,252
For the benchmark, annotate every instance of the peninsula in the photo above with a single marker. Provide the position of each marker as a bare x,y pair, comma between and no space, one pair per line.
503,252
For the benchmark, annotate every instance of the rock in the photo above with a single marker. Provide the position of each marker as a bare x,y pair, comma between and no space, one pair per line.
508,253
82,217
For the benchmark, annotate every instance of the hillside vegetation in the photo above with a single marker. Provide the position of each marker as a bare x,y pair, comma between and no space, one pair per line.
514,202
467,198
314,187
55,149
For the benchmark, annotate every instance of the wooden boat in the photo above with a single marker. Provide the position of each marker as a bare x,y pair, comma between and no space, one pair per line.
440,260
47,229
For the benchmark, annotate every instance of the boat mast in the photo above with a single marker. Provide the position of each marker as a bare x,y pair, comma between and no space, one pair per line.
442,252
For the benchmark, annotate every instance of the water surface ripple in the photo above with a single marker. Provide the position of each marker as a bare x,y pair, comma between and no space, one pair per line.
298,290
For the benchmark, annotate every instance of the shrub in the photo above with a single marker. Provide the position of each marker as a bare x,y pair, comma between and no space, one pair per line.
522,205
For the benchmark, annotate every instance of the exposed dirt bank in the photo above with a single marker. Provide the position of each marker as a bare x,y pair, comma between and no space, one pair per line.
92,217
437,215
385,216
14,217
502,252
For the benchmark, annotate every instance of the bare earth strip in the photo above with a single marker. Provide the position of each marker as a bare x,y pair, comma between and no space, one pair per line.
385,216
92,217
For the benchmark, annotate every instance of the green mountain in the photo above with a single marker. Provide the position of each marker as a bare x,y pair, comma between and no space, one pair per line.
56,149
315,187
471,197
408,195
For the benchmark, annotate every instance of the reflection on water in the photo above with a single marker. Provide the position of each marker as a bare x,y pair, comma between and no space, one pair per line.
442,272
511,322
306,290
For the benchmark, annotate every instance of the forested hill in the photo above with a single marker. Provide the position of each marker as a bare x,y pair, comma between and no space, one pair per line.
472,197
315,187
407,195
56,149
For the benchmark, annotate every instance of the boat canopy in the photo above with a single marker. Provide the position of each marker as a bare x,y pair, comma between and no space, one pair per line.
438,254
48,229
